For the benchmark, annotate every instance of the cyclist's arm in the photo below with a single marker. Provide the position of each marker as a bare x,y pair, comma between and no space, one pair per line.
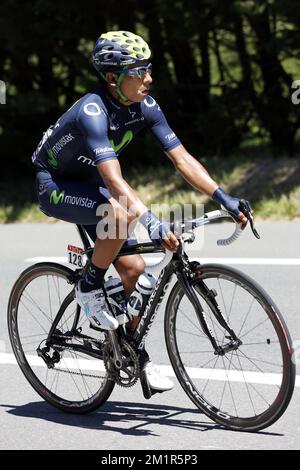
195,173
111,174
121,191
192,171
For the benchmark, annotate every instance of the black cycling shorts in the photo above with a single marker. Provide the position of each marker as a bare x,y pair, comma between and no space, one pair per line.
72,201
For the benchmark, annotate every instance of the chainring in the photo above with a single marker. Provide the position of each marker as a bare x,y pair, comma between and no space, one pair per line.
129,373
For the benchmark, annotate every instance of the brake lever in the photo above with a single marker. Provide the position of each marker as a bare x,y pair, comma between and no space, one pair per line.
245,208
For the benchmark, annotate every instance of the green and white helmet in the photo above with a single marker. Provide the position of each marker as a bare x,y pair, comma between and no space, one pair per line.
119,49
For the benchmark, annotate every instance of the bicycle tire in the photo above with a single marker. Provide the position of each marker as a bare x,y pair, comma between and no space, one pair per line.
78,407
278,407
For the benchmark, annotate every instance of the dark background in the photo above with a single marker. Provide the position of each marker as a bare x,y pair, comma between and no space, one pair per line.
223,71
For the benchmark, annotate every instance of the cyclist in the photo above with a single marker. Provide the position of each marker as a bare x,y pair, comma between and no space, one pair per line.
78,169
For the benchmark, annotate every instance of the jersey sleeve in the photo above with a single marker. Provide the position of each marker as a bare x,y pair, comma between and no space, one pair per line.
93,124
157,123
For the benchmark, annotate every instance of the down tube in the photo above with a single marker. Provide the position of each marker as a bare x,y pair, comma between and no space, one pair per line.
152,306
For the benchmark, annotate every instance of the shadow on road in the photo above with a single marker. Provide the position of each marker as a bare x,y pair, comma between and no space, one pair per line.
125,418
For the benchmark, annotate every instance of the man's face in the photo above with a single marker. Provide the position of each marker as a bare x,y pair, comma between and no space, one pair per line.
135,88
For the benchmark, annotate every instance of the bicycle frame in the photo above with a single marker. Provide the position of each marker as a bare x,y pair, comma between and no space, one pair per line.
180,266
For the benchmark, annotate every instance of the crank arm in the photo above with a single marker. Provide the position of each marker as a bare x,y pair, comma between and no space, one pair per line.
117,359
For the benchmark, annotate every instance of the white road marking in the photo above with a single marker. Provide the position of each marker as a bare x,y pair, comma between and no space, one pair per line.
152,260
194,373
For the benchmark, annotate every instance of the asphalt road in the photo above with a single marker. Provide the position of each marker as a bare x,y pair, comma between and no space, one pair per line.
127,420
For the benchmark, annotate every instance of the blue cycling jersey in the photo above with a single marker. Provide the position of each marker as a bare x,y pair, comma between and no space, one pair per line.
96,129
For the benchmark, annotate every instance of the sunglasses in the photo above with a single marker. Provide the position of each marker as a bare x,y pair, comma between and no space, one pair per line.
139,72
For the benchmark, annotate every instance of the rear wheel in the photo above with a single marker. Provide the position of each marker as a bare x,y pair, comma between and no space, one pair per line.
248,388
68,375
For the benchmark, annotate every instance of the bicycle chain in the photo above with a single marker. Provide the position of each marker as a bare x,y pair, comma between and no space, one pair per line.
114,376
82,375
71,349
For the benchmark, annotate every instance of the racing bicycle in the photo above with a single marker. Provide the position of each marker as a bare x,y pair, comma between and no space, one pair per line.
226,339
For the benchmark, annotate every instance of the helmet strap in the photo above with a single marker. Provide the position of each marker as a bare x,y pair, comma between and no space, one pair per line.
118,86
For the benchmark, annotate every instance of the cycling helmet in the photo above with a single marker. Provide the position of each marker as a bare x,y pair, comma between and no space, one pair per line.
119,49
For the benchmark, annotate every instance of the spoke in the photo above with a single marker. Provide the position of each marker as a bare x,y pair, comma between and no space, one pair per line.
34,336
49,297
246,384
195,352
246,316
254,328
56,376
196,326
63,323
261,343
29,343
229,385
47,374
258,368
208,362
87,388
233,295
191,334
34,318
79,391
212,370
263,362
29,351
58,290
250,384
30,299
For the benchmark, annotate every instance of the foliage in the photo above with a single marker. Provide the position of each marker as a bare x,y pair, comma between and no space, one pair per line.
223,69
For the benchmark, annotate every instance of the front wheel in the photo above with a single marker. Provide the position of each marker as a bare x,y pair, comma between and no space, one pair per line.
248,388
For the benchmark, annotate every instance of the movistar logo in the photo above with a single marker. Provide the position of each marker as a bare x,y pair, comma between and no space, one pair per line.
127,138
57,198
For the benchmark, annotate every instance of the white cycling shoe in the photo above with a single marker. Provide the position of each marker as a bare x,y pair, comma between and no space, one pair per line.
95,307
156,381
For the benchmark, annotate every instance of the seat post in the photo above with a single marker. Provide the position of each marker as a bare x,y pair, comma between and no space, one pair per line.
84,238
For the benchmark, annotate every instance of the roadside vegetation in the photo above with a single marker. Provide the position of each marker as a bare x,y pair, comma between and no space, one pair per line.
272,186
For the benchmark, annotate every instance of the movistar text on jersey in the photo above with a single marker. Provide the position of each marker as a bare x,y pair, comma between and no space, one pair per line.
63,198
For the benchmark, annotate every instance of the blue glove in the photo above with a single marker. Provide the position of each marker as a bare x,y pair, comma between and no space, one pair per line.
231,204
157,229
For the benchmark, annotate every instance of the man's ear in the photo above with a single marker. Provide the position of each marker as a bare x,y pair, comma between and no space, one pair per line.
111,78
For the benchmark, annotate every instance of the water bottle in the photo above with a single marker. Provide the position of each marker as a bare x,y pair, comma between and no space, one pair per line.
117,299
142,291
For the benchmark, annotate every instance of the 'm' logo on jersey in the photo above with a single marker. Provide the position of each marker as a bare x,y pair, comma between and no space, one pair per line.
57,198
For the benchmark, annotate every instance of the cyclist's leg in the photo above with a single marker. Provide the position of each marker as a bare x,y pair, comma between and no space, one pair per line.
128,267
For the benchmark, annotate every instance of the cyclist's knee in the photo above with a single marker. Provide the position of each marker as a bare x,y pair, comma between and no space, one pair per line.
130,266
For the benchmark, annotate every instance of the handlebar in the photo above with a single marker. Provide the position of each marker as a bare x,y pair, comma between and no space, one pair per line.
188,225
191,224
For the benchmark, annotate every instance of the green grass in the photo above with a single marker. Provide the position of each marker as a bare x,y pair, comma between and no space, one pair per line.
272,186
